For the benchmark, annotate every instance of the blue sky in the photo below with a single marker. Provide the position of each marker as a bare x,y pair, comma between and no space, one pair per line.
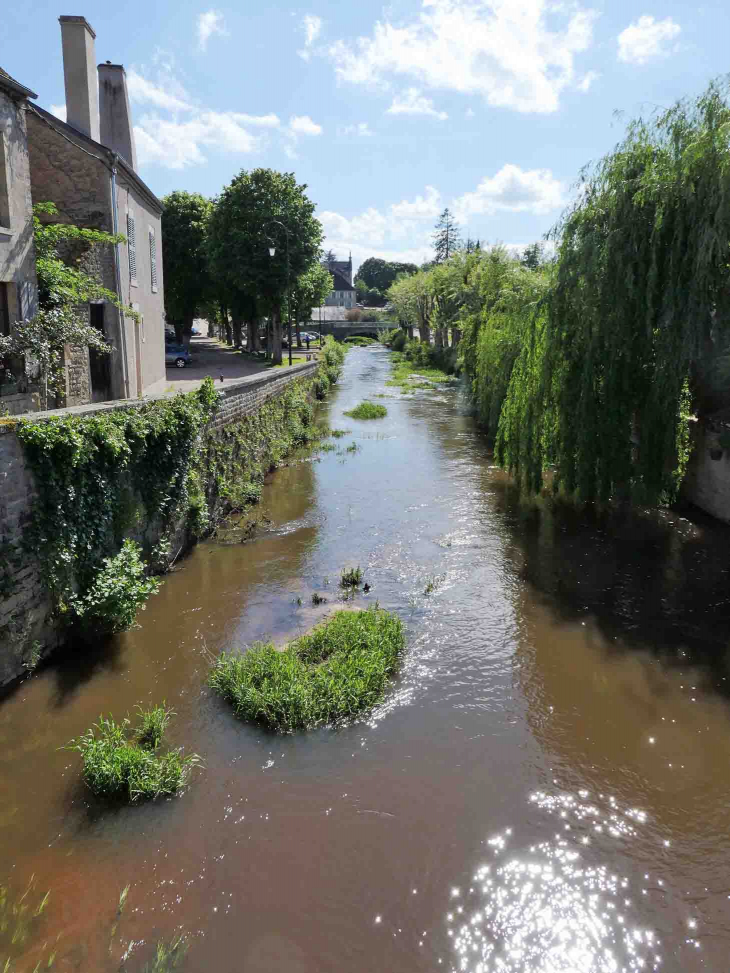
388,113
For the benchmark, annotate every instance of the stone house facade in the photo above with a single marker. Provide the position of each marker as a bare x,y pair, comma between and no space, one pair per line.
87,167
17,258
343,294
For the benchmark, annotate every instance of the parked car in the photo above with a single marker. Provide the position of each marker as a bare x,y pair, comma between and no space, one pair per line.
177,355
195,333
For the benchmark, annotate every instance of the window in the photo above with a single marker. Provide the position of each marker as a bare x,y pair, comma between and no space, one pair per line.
153,261
4,192
132,249
4,309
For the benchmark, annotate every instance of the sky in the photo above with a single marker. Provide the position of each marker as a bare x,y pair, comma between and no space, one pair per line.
387,113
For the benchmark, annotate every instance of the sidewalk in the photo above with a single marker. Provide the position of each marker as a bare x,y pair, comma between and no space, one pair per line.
212,357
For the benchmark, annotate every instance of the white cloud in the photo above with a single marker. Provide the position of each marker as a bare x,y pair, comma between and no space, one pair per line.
646,39
312,27
514,190
303,125
146,92
517,54
209,23
412,102
362,130
587,80
403,230
177,144
59,111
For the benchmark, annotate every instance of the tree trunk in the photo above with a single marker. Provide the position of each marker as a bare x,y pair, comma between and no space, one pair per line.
439,339
276,336
455,337
299,334
253,335
237,331
409,331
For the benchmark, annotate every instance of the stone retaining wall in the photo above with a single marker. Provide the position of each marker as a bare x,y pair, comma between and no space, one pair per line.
26,623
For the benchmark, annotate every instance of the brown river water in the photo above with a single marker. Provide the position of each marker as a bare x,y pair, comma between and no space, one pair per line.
545,790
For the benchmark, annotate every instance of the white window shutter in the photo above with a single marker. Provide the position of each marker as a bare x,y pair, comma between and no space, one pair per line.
153,261
132,248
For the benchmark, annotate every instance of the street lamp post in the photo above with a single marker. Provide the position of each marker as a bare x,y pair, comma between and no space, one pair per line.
272,252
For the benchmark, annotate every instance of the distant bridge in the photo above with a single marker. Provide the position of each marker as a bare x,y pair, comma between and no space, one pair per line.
348,329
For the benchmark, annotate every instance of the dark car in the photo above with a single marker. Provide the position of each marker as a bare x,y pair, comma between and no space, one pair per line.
177,355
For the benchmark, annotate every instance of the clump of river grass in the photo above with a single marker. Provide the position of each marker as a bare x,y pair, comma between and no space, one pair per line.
122,763
168,956
19,917
339,433
338,670
368,410
408,375
318,599
351,577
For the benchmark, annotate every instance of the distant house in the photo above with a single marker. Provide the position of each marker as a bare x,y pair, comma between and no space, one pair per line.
17,259
87,167
343,293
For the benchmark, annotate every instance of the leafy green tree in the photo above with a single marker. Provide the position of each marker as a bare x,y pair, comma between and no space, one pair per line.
446,237
380,274
310,290
533,256
188,287
261,209
65,290
412,299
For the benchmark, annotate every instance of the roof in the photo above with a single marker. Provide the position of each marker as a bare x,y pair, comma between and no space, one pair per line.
105,155
15,87
340,283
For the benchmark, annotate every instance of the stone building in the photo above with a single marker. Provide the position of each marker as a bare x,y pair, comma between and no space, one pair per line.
17,259
343,293
87,167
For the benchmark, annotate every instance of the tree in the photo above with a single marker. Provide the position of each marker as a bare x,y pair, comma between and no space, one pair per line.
259,210
533,256
185,218
412,300
64,293
380,274
330,257
310,290
447,237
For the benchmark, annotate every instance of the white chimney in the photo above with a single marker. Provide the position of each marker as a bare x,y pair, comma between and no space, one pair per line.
79,75
116,118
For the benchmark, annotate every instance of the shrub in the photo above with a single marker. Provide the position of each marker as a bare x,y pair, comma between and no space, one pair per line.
367,410
117,592
338,670
360,341
398,341
353,314
121,764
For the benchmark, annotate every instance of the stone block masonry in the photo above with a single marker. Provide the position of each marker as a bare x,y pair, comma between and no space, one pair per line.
27,625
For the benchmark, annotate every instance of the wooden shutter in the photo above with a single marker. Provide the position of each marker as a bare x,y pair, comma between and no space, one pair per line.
153,261
132,248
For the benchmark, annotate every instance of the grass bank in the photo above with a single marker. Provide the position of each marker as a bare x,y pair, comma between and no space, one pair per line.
337,671
408,375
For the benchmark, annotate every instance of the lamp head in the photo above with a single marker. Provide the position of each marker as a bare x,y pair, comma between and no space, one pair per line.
272,251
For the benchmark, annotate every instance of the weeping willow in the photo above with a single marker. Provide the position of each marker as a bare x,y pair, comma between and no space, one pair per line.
616,359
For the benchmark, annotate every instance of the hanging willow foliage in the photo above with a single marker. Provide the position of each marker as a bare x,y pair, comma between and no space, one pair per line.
608,377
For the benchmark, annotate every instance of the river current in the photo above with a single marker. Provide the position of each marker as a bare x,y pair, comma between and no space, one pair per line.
545,790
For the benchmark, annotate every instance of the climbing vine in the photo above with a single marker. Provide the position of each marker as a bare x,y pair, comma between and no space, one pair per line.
111,479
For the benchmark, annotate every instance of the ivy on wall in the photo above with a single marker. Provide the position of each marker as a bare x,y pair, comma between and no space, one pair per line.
150,471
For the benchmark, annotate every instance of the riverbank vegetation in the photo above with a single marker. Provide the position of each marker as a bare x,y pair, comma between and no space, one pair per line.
590,366
121,493
121,763
367,410
337,671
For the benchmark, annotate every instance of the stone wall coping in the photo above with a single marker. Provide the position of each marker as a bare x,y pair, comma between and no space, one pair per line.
229,391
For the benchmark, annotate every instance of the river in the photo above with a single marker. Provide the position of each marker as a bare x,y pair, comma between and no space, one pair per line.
545,790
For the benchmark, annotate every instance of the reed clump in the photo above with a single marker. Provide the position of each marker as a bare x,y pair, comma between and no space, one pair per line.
351,577
123,763
368,410
340,669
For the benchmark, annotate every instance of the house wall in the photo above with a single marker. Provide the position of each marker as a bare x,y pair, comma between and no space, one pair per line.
145,342
80,182
17,260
